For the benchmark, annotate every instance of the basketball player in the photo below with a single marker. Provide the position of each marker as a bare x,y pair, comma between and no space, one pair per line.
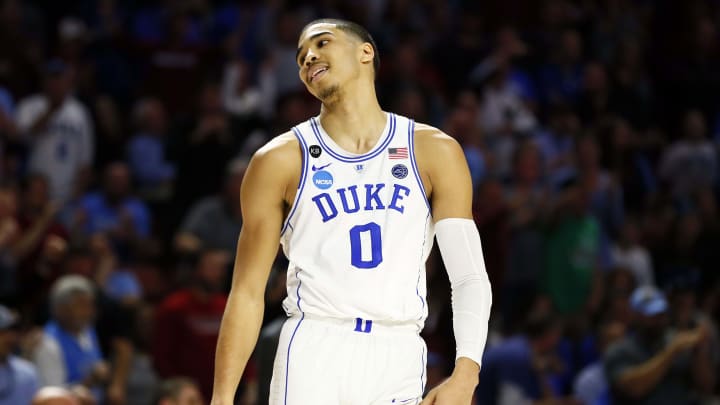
355,197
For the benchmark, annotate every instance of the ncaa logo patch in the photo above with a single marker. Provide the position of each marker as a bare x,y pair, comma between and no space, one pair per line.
323,180
314,150
400,171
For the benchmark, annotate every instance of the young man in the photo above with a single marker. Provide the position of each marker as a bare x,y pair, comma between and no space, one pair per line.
355,196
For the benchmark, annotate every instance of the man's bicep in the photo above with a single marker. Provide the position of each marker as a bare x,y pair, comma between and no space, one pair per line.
450,179
262,202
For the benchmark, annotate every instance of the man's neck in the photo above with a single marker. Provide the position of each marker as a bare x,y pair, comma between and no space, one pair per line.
354,118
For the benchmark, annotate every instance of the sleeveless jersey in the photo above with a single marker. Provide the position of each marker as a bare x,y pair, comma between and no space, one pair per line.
360,230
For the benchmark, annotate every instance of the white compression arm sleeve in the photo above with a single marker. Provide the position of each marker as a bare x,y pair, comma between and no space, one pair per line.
459,242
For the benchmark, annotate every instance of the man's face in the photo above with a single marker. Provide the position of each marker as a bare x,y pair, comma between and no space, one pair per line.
57,86
78,312
328,58
117,181
652,327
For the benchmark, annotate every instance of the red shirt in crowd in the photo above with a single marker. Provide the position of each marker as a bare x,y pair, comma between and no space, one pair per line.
185,334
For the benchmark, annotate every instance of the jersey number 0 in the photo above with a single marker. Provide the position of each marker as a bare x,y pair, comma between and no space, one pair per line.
359,256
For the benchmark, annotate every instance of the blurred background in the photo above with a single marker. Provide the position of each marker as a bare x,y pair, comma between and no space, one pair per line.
591,128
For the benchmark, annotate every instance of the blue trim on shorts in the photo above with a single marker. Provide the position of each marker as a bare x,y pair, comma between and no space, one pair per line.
287,358
303,177
314,123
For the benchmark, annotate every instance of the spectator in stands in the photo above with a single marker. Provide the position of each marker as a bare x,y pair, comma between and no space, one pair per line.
215,222
146,151
43,240
606,198
505,110
629,253
526,201
591,385
59,131
114,210
8,236
202,148
188,321
593,104
690,164
516,370
561,79
69,352
18,377
240,96
654,365
557,141
571,252
179,391
115,293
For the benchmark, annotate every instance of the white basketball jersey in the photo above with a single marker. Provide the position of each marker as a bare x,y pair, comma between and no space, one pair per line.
360,230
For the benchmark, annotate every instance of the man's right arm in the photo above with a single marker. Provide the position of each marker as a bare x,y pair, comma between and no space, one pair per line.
263,196
637,381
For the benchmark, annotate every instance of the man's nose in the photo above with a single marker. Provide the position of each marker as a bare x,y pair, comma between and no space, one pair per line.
310,58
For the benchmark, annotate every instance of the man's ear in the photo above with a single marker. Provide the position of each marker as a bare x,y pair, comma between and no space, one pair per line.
367,53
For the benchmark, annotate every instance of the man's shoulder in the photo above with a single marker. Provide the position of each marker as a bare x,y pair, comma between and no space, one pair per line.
429,136
285,143
279,155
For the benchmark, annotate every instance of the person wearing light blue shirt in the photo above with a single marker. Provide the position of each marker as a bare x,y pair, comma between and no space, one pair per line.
18,378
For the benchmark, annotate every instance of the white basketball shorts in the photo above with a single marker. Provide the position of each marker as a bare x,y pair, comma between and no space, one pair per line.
322,361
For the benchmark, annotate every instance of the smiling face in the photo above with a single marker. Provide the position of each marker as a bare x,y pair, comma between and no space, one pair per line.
329,58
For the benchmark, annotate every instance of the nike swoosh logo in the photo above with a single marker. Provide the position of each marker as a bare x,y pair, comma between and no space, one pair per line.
403,401
320,168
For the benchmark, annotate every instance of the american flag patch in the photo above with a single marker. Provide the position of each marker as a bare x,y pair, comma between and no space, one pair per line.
398,153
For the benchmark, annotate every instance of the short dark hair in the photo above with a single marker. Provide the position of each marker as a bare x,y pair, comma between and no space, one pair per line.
354,29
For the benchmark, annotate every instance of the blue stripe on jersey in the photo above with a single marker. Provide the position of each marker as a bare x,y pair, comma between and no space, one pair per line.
420,269
303,176
413,163
287,358
360,158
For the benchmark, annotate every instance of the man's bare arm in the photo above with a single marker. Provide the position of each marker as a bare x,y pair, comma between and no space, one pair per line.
268,176
637,381
447,180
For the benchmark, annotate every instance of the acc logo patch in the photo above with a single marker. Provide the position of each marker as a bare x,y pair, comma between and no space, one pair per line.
400,171
314,150
323,179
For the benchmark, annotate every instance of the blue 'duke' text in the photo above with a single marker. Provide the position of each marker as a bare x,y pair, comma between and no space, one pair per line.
354,198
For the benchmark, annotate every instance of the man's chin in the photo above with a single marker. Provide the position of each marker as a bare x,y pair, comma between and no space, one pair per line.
328,93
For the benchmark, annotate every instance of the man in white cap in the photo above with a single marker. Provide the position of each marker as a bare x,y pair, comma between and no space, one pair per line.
655,365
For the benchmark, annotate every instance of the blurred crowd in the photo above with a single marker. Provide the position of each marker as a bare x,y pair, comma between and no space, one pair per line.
591,128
